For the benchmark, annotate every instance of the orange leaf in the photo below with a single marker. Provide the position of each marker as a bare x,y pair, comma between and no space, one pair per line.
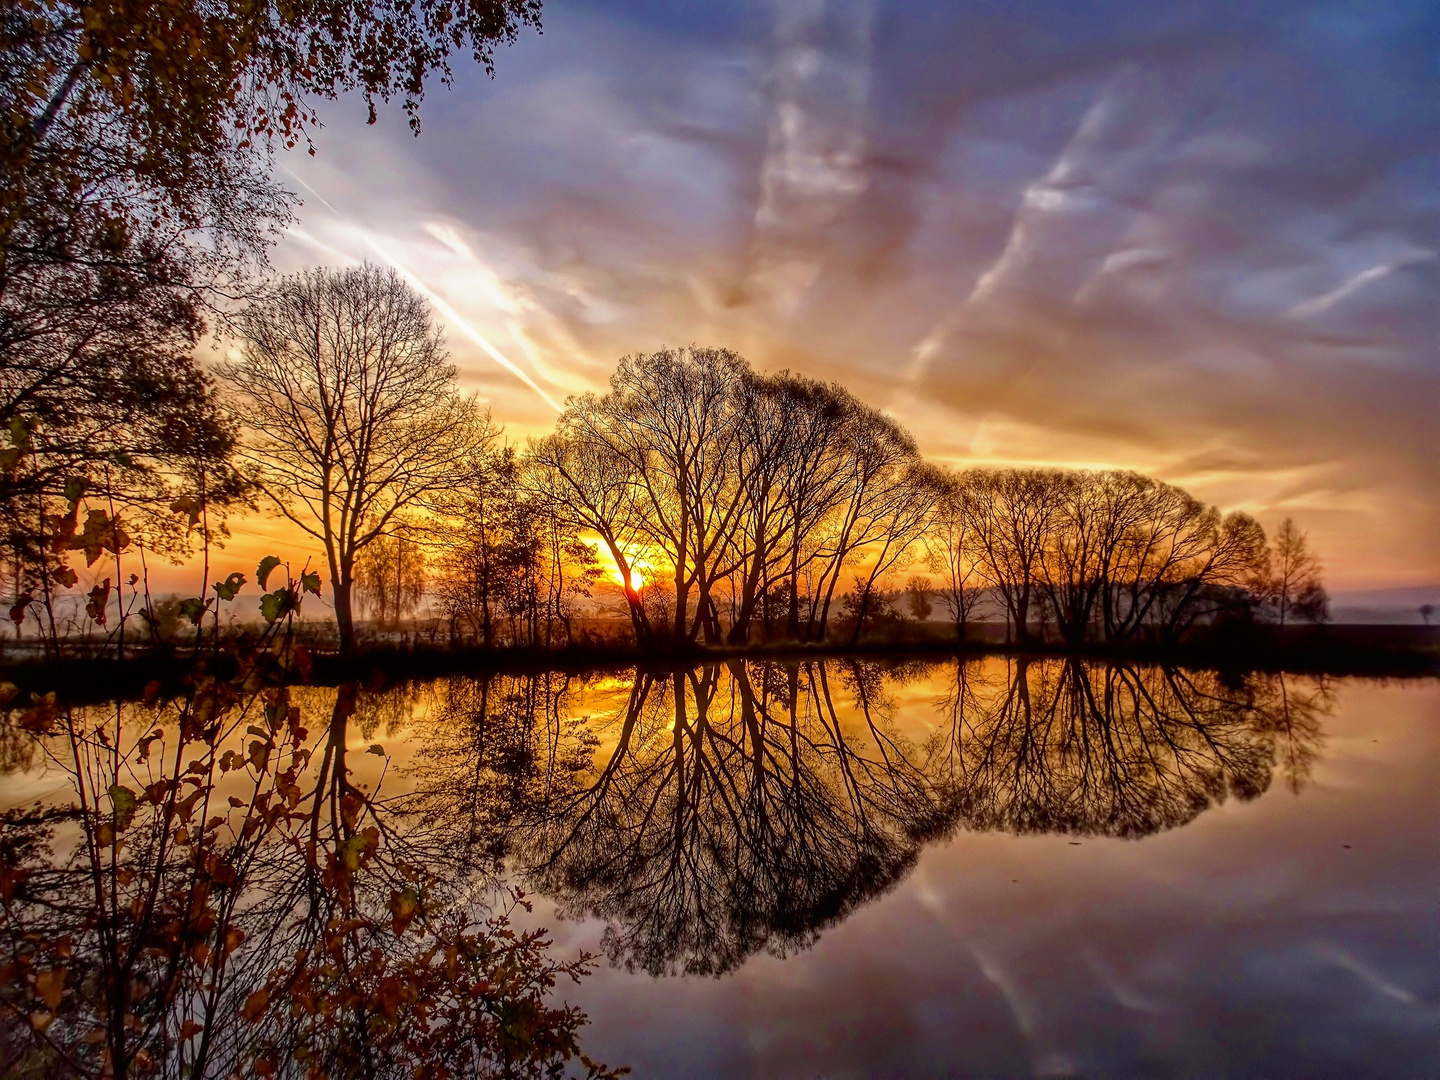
51,986
255,1005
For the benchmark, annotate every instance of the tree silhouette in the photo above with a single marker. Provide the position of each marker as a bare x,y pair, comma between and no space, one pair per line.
352,412
1293,584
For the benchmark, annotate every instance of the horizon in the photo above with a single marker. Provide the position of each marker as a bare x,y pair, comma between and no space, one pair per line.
1196,246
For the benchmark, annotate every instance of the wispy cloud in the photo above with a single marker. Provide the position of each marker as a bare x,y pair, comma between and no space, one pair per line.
1143,235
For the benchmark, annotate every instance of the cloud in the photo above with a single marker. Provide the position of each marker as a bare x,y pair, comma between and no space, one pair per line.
1152,236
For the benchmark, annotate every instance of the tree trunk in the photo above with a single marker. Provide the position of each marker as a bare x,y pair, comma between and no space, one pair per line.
344,615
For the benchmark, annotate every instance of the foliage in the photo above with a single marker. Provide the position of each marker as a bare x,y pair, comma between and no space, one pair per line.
137,205
513,567
214,895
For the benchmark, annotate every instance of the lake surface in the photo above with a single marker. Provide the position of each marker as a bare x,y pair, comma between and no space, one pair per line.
983,869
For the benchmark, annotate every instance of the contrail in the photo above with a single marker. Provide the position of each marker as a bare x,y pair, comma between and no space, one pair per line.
319,244
452,316
447,312
312,191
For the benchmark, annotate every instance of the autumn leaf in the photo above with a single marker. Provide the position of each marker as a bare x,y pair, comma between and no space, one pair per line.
389,996
274,604
100,534
50,985
267,564
18,609
65,576
190,506
255,1005
234,936
99,601
227,589
357,849
143,746
351,806
194,609
376,749
310,582
403,907
123,803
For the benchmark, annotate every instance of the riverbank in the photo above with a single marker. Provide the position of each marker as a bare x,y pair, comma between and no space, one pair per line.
1378,650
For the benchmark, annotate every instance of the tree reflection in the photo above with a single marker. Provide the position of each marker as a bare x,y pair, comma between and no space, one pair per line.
1105,750
729,809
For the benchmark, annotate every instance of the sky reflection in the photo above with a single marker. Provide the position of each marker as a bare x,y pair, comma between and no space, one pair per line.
1251,941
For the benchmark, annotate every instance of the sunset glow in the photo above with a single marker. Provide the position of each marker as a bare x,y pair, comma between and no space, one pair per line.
1053,262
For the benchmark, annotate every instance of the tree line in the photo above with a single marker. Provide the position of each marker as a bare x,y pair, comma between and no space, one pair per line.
734,506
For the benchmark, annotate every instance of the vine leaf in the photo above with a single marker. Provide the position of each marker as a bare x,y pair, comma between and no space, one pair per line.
267,564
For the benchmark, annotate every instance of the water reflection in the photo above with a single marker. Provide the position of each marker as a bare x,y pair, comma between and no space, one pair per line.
710,814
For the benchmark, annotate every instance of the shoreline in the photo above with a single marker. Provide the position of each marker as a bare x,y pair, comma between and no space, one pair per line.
1381,650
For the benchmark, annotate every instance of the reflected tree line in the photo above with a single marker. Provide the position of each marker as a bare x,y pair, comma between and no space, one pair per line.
746,807
243,878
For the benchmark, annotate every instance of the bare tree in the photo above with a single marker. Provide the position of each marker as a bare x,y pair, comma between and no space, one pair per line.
591,489
950,552
1295,590
917,596
351,410
1012,515
390,573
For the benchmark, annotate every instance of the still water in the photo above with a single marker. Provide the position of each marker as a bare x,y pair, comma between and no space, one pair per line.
989,868
992,867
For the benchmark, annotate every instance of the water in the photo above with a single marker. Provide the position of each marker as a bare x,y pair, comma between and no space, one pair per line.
991,869
987,868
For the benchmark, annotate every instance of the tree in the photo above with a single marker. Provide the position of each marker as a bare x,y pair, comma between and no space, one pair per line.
182,82
1012,515
137,206
591,491
917,596
512,565
1426,610
949,552
351,410
390,574
1294,584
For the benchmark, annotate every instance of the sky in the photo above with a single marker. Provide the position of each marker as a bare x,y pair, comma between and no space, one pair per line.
1199,240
